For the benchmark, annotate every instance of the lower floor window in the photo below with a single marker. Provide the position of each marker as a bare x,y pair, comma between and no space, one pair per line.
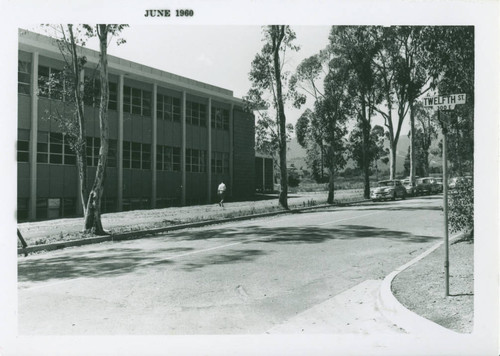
220,162
22,208
196,161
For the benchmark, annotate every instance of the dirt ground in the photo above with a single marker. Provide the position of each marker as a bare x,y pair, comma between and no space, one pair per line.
421,287
49,231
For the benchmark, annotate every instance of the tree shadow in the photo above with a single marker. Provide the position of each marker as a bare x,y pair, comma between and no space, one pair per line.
119,261
233,256
91,264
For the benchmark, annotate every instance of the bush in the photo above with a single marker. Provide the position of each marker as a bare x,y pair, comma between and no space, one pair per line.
461,207
293,179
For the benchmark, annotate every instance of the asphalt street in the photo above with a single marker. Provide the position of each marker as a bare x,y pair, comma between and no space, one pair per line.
235,278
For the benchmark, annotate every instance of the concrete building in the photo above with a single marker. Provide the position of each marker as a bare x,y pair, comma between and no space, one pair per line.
171,139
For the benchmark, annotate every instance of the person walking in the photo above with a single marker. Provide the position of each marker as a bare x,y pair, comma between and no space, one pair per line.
221,192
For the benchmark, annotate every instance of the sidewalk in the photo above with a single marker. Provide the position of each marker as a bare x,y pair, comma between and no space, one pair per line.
367,308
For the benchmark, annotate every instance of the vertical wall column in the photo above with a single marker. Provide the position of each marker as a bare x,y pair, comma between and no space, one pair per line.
263,175
209,149
183,149
33,135
153,148
231,149
79,207
119,144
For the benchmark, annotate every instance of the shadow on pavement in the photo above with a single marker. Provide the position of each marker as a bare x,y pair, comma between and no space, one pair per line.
120,261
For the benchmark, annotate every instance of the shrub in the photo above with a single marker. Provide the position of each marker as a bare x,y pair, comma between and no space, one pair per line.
461,207
293,179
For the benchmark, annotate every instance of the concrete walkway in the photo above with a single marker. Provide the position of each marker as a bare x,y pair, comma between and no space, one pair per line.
367,308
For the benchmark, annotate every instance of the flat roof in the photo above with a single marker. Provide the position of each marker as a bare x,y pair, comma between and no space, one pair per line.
46,46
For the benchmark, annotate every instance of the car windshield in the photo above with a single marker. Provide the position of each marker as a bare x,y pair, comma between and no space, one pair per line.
387,183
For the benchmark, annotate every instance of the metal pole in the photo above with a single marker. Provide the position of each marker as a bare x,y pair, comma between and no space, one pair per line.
445,208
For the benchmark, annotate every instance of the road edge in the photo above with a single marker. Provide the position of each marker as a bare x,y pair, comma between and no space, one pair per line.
403,317
151,232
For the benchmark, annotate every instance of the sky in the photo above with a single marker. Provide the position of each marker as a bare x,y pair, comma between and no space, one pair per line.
217,55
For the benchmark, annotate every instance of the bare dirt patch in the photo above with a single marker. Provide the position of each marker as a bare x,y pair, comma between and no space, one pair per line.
60,230
421,287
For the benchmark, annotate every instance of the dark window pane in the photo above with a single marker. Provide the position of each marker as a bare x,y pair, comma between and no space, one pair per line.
69,160
56,159
22,156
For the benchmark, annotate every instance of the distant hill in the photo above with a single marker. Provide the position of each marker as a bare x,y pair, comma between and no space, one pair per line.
296,155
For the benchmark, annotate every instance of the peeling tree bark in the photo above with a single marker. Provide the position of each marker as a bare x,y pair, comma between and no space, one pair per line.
93,222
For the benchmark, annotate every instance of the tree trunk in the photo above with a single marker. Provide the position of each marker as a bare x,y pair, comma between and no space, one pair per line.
81,144
412,143
366,145
93,212
331,180
283,198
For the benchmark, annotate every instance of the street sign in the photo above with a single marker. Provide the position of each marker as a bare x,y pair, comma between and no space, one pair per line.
444,102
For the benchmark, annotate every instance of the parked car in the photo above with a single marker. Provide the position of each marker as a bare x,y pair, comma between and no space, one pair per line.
388,189
410,187
424,186
439,182
434,186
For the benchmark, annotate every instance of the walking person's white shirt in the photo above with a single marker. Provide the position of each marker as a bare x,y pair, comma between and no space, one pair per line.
221,190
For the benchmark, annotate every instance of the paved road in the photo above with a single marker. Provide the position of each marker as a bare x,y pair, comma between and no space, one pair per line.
235,278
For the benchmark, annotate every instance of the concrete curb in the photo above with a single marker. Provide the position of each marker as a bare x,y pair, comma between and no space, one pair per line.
150,232
393,310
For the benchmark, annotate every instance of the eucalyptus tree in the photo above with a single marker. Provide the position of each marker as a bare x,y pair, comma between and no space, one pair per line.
269,82
324,128
353,50
450,59
70,40
309,136
376,150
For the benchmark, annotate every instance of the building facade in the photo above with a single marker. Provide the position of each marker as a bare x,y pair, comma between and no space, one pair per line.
264,173
171,139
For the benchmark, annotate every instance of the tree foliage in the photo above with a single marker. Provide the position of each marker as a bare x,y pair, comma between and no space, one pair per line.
461,209
268,95
70,40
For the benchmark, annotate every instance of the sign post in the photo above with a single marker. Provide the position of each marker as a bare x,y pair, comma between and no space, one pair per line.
445,103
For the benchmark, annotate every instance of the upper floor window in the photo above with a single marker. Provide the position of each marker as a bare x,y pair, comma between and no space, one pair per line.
54,148
168,108
50,83
196,114
24,77
136,101
220,118
113,96
92,92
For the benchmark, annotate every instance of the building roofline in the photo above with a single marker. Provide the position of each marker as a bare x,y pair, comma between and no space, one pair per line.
46,46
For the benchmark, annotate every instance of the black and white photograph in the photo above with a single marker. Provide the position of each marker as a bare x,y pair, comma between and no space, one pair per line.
214,178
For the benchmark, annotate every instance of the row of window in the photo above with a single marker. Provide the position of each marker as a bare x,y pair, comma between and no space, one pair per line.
51,84
52,208
55,148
